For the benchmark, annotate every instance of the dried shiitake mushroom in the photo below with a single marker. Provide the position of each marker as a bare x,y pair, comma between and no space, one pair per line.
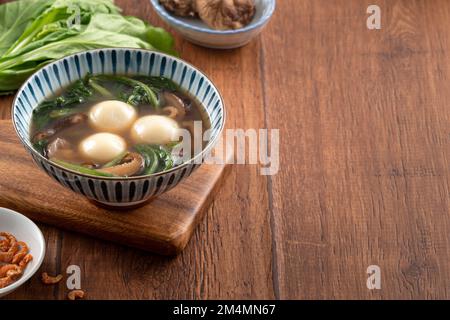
182,8
226,14
217,14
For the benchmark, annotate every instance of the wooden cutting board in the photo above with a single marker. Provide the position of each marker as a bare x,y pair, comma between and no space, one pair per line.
163,226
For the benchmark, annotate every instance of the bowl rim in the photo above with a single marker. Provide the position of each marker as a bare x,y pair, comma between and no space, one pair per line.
177,22
209,146
32,272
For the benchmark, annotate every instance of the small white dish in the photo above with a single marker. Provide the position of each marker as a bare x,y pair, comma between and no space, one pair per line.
24,230
195,31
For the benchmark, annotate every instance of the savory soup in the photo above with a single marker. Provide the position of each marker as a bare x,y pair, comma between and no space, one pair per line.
121,126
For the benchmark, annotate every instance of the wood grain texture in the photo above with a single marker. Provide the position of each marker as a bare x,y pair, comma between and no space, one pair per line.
365,121
364,175
164,225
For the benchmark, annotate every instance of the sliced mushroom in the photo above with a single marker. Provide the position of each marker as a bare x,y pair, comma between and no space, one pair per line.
44,134
172,112
59,125
173,100
130,165
57,145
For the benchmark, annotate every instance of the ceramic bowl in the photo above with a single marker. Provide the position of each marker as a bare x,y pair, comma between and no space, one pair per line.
24,230
116,192
195,31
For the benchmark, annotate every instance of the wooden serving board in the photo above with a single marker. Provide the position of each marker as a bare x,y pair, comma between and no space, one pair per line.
163,226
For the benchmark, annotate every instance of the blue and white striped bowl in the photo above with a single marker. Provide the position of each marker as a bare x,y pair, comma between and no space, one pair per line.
118,192
195,31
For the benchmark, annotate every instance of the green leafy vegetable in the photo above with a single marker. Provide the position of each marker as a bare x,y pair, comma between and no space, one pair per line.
141,93
15,17
159,83
100,89
150,158
165,158
157,158
36,32
59,113
78,93
159,38
82,169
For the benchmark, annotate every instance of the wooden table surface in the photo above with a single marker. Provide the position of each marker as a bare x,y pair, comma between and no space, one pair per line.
364,121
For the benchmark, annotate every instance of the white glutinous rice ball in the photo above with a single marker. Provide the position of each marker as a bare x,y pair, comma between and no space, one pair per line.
112,116
102,147
155,130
